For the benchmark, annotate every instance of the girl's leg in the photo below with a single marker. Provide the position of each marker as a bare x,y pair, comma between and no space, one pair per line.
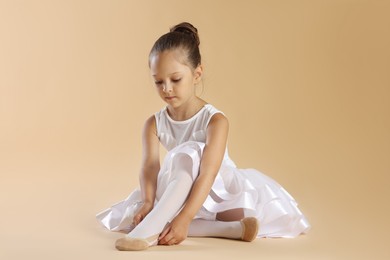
231,215
229,224
145,234
214,228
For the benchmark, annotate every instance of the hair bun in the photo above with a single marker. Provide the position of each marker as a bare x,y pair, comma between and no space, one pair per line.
187,29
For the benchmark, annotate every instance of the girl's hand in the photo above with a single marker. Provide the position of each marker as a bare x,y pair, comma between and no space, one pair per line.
175,232
142,212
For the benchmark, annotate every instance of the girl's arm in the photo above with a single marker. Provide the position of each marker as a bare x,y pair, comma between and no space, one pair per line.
213,153
149,169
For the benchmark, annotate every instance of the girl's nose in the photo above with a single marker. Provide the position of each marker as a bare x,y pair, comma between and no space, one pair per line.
167,88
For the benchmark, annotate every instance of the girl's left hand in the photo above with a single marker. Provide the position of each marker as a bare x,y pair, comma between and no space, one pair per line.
174,233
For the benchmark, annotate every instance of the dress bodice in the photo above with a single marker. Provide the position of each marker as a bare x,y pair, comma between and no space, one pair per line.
172,133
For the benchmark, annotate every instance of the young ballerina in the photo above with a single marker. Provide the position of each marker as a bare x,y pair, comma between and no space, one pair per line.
198,190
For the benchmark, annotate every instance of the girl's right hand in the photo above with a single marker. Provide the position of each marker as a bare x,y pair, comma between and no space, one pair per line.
142,212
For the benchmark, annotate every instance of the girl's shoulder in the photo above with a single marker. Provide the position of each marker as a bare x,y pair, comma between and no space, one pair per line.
214,114
211,109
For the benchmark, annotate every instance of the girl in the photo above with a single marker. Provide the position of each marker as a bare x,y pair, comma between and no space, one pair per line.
197,191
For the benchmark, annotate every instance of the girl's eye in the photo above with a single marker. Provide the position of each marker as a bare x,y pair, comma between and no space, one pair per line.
176,80
158,82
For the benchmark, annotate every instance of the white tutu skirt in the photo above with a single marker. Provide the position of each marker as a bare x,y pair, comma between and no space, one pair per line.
259,196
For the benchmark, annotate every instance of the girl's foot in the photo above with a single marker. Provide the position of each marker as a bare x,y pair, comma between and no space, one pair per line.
250,228
135,244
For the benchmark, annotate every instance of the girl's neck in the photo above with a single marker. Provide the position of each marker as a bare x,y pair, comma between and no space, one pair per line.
187,110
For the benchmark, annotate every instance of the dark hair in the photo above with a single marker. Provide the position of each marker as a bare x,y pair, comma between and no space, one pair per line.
182,36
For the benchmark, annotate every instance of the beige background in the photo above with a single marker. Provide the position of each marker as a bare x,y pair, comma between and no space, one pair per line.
306,86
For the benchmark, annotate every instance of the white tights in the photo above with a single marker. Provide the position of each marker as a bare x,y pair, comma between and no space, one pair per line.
210,228
170,203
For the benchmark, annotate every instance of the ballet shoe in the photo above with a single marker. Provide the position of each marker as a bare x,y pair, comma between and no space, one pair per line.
135,244
250,228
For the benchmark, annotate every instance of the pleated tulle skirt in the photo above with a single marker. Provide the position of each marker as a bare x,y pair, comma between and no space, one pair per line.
259,195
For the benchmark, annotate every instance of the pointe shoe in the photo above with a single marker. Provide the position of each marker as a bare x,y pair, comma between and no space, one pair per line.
135,244
250,227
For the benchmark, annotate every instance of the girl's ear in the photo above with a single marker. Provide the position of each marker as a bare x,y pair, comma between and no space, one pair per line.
198,74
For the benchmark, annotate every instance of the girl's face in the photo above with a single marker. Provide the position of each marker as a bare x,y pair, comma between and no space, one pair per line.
174,80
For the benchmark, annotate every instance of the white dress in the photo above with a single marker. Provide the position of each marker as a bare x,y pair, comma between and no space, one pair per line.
259,195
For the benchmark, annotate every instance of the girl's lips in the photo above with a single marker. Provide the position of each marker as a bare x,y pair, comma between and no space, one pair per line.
169,98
